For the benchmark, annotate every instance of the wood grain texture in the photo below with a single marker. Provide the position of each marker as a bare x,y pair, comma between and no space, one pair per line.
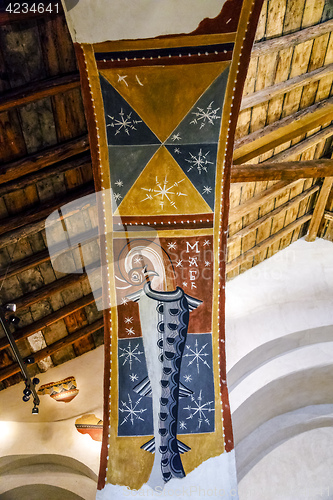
55,347
283,42
282,131
319,210
268,171
281,88
276,237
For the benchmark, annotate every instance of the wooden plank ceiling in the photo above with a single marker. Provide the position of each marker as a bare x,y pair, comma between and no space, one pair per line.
282,177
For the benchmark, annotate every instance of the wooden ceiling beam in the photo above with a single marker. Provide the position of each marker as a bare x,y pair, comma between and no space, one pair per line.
282,208
328,215
291,170
250,254
302,146
37,214
282,131
254,203
31,92
83,160
268,93
44,158
55,347
23,232
50,319
287,41
24,264
48,290
319,209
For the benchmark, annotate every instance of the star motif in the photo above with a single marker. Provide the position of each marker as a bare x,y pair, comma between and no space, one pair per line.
176,137
124,301
177,151
207,263
117,196
199,409
131,410
163,192
207,190
128,320
123,124
122,79
197,355
130,354
206,243
172,246
119,183
184,283
179,263
133,377
199,161
182,425
130,331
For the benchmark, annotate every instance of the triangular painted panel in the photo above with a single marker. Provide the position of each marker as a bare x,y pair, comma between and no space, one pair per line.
163,95
199,164
126,164
123,125
202,123
162,189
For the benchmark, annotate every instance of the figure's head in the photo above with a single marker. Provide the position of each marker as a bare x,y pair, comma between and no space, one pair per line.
142,261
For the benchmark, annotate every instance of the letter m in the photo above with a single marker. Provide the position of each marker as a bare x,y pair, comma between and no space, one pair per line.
192,247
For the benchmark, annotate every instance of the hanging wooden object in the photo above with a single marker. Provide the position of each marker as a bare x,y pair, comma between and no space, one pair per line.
162,101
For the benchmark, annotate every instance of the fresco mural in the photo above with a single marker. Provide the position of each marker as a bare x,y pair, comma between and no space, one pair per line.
162,114
91,425
62,391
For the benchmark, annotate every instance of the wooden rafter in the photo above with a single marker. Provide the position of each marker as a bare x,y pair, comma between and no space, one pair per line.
248,256
55,347
287,86
319,209
38,90
270,171
302,146
46,291
32,221
286,41
44,158
328,215
41,212
50,319
80,161
282,208
290,127
25,264
254,203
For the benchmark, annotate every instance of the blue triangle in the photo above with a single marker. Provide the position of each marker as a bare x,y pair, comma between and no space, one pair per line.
198,162
123,125
202,123
126,164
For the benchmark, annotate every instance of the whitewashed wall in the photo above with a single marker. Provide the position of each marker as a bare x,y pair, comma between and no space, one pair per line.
280,374
101,20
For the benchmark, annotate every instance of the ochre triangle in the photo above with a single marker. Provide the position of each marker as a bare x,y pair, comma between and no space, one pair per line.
162,189
163,95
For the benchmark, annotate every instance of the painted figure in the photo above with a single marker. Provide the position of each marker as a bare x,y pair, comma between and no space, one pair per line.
164,317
